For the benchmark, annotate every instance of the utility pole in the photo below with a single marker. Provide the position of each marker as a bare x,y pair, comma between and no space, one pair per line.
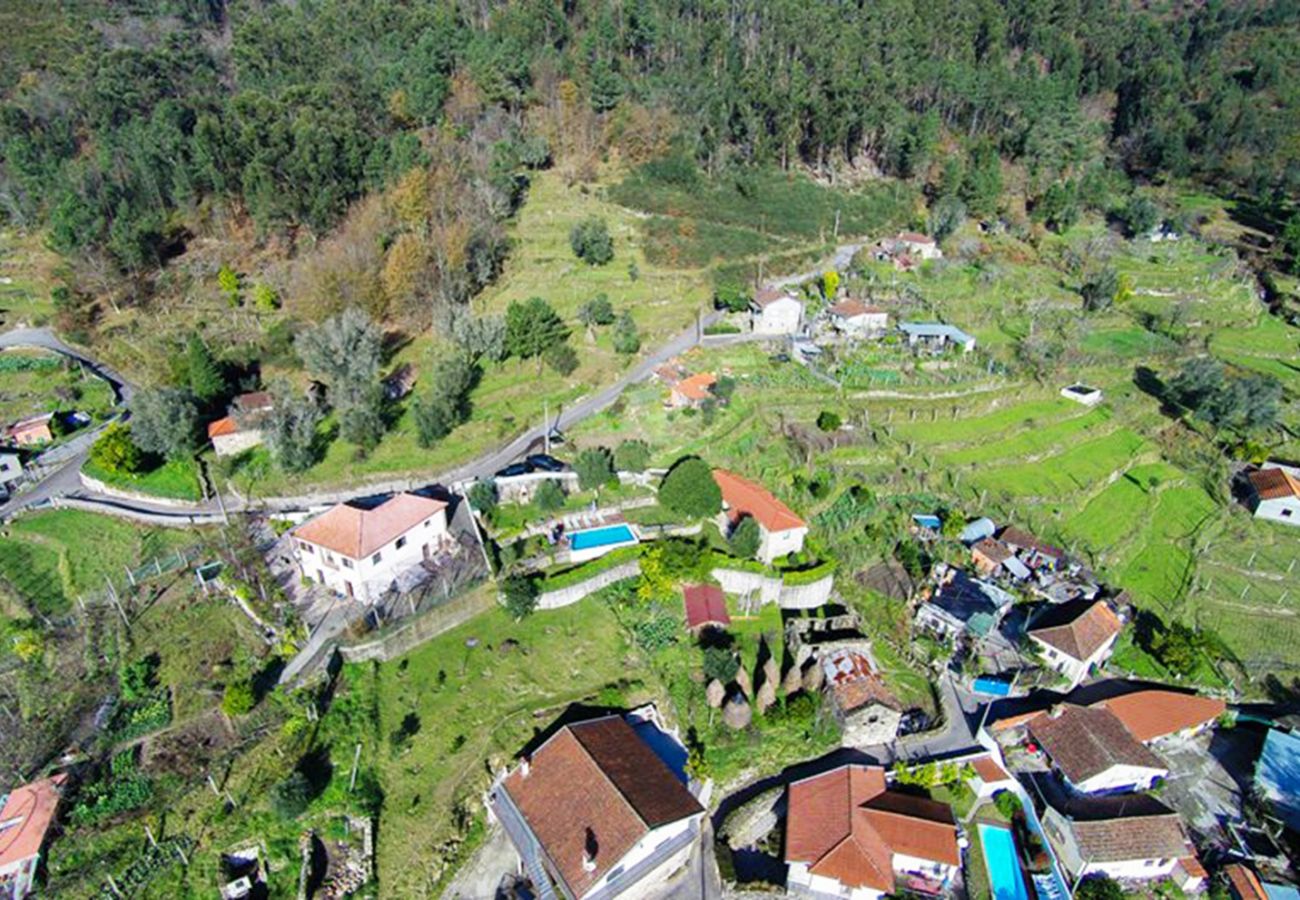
546,425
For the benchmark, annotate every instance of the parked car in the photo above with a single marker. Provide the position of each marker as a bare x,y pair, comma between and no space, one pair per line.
514,469
544,462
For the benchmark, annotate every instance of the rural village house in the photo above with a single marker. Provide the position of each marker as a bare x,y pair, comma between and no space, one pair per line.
240,428
1075,637
1275,493
26,814
1133,848
1093,750
917,245
595,812
359,551
32,431
706,607
936,336
781,531
856,319
693,391
848,835
775,311
11,470
863,705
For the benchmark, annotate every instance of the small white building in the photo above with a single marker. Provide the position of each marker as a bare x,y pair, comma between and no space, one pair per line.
11,470
241,428
917,245
1132,848
1075,637
936,336
856,319
1094,752
847,835
1082,393
781,531
360,551
775,311
1275,493
596,811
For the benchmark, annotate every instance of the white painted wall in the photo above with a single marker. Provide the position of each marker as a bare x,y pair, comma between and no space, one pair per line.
915,865
1074,669
230,444
775,544
642,849
798,875
1122,777
1284,509
1061,836
779,317
865,325
22,874
368,577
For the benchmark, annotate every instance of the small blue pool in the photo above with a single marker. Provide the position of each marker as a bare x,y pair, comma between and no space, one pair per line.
994,686
1005,878
601,537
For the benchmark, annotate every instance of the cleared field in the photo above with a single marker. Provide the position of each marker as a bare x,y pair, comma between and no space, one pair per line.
1121,509
1162,566
1034,441
1076,469
33,382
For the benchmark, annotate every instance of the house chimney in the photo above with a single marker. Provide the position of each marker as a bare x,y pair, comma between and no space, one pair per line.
1055,711
525,766
589,850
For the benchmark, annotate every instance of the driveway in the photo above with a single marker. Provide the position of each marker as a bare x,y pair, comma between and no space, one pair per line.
1207,774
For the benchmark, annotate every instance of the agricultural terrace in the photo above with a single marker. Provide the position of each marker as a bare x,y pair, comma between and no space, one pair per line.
1137,494
33,382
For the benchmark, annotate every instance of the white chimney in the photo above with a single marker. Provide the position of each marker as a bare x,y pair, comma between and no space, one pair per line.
588,864
525,766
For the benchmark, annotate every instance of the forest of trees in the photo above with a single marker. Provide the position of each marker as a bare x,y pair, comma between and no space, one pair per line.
122,125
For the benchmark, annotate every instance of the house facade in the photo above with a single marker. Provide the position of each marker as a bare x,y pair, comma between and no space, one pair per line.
775,311
856,319
11,470
781,531
917,245
33,431
595,812
240,429
863,706
360,551
849,836
1130,849
1275,493
26,814
1076,637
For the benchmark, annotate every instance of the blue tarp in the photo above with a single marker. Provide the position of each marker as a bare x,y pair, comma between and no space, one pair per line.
1277,774
926,520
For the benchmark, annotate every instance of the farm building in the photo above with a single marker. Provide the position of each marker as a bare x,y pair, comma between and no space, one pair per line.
856,319
241,427
864,707
11,470
692,392
936,336
781,531
359,551
963,605
596,811
848,835
31,432
706,607
1275,493
1075,637
916,245
775,311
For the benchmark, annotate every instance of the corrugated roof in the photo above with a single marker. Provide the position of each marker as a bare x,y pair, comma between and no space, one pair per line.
595,789
1078,628
744,498
1155,713
854,683
31,809
356,532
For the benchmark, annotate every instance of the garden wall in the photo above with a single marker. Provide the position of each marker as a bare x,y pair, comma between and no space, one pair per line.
775,590
99,487
410,634
564,596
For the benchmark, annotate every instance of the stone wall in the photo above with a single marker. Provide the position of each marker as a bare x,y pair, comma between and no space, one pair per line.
573,593
99,487
774,590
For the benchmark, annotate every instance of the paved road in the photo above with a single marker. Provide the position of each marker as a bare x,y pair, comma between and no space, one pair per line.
839,261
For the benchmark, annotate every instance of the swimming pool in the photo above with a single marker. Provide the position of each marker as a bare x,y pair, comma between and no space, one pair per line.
601,537
1005,878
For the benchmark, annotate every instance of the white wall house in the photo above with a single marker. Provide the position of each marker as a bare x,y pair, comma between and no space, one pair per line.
775,311
855,319
781,532
26,815
11,470
1275,493
1075,637
240,429
1137,848
596,812
917,245
1094,752
359,552
936,336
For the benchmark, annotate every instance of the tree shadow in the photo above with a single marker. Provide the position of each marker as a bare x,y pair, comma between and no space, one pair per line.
1148,382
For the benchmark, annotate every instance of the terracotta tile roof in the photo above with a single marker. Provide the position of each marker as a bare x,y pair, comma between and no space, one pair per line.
993,550
744,498
1192,867
1274,484
1023,540
705,605
1085,741
223,426
32,423
768,295
851,308
1015,721
913,237
987,768
1245,883
1078,629
596,786
356,533
1155,713
31,808
853,682
1131,838
847,826
697,386
256,401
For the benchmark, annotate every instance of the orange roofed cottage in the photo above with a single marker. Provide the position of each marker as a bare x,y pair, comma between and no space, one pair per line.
26,814
692,391
848,835
241,427
781,531
359,551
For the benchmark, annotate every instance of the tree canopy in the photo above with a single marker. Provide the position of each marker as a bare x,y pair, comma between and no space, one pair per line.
688,488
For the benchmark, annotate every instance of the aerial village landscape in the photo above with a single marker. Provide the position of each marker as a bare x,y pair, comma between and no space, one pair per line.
557,506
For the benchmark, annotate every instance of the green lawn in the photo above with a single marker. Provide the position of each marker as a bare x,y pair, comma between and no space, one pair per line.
1078,468
174,480
33,382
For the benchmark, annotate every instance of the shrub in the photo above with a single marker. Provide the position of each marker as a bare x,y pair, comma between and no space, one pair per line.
115,452
519,595
562,358
627,339
290,797
829,421
483,495
595,468
591,242
745,538
632,456
1007,803
238,698
1099,887
596,311
689,489
549,496
720,664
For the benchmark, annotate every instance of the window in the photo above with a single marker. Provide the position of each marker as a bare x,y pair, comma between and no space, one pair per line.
1286,513
1149,863
401,542
347,563
614,873
428,523
305,547
375,559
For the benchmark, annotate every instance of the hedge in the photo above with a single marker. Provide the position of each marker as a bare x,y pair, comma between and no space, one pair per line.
808,576
581,572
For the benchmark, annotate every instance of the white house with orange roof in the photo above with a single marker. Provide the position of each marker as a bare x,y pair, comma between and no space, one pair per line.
855,318
359,551
26,814
241,427
775,311
1075,638
692,391
781,531
1275,493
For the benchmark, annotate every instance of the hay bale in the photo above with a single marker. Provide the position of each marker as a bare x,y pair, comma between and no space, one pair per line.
743,682
813,678
793,682
766,697
715,694
737,713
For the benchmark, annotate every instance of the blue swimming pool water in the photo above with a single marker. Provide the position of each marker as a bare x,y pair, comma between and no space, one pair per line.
993,686
1000,859
600,537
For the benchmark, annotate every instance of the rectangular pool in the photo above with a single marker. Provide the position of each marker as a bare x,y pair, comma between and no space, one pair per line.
1005,878
601,537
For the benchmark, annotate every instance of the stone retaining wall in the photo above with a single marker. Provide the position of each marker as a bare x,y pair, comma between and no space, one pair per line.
575,592
774,590
94,484
411,634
